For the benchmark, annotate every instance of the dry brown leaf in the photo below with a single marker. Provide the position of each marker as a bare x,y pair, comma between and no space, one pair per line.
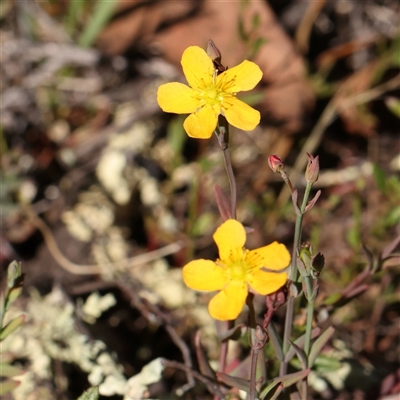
357,118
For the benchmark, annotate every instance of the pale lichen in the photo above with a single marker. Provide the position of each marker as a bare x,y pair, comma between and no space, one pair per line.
51,333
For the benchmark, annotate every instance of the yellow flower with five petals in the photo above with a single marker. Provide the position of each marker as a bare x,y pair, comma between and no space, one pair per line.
237,271
210,95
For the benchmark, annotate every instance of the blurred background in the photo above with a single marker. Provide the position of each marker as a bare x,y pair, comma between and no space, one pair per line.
104,197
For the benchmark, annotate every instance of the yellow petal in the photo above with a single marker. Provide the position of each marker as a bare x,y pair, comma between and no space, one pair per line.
244,76
197,67
275,256
227,304
177,98
201,124
266,282
241,115
230,238
204,275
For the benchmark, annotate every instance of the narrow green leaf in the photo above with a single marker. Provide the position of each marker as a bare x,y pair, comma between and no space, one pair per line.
102,13
272,390
275,341
393,105
289,380
12,326
9,371
299,342
242,384
332,299
12,295
7,386
326,364
286,381
300,354
319,344
90,394
74,14
380,178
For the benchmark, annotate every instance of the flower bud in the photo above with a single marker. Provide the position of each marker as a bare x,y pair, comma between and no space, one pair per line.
215,55
275,163
277,299
14,272
213,52
318,263
312,170
305,258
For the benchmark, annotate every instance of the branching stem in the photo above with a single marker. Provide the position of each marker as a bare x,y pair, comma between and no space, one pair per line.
293,277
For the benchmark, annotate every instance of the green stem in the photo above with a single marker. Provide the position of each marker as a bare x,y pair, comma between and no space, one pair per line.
2,309
223,351
232,181
293,277
304,390
310,314
253,371
222,133
251,323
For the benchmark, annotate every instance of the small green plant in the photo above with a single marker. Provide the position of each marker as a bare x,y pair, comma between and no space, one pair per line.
90,394
11,293
90,16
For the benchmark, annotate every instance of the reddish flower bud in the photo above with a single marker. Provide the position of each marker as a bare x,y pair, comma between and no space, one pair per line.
312,170
275,163
277,299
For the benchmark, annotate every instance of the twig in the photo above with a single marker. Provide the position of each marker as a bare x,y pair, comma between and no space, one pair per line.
293,277
212,386
185,354
79,269
147,309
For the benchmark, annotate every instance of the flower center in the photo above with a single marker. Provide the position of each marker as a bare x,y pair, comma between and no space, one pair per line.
211,93
237,265
212,96
216,94
237,271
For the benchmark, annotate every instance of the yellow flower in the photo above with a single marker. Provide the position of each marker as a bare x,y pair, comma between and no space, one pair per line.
237,271
210,95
